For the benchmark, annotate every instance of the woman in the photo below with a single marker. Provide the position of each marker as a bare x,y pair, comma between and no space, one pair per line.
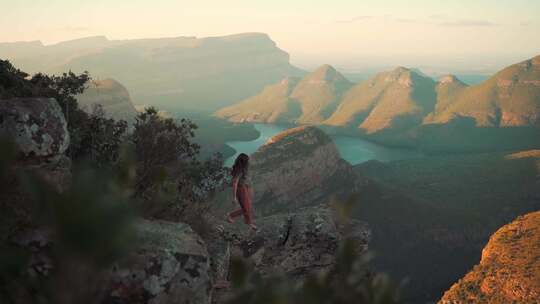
241,186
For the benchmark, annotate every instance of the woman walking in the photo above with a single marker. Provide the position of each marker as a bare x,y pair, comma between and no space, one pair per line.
241,187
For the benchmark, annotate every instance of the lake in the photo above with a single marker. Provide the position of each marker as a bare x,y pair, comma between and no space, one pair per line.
352,149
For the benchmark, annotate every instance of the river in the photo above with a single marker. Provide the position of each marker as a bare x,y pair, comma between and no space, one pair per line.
352,149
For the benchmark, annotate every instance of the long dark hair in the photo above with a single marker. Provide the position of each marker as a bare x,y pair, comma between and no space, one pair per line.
241,165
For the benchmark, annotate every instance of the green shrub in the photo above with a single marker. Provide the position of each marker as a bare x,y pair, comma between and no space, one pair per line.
170,176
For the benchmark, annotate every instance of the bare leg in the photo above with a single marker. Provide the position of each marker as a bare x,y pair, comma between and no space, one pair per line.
232,215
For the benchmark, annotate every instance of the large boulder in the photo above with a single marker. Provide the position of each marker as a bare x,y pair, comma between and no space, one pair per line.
297,168
169,265
39,131
37,125
293,244
509,271
296,243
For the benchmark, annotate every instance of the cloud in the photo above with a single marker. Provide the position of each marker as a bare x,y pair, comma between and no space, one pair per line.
354,19
469,23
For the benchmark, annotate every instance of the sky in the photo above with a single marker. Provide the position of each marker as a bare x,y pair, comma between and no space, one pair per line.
469,35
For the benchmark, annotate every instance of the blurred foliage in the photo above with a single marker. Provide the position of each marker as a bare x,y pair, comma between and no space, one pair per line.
349,282
81,232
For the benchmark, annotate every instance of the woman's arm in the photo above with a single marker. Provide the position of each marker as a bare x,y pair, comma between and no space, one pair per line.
234,188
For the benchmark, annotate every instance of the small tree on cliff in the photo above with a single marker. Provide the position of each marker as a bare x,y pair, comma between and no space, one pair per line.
168,166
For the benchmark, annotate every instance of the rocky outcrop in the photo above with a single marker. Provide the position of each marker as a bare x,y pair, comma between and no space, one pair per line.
112,96
509,271
170,264
299,167
36,125
295,176
293,244
38,129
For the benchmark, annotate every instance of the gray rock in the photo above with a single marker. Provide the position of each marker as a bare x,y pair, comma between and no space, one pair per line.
297,168
37,125
295,243
169,265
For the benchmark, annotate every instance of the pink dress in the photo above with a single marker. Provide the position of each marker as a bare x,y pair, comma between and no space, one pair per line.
243,194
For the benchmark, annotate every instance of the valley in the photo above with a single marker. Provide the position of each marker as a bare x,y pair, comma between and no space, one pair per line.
434,181
431,217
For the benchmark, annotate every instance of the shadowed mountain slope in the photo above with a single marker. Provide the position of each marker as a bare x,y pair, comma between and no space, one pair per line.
389,100
306,101
272,105
510,98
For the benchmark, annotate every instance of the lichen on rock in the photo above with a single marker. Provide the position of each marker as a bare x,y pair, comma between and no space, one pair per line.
37,125
170,264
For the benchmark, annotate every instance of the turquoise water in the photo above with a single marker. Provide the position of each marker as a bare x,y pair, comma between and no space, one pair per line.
249,147
352,149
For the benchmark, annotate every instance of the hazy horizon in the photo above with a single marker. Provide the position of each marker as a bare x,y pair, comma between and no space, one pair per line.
479,37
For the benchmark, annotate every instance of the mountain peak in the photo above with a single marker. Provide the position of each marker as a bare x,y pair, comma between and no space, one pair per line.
326,73
326,68
401,75
449,79
401,70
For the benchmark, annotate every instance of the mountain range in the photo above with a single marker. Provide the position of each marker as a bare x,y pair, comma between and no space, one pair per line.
405,108
401,99
172,73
